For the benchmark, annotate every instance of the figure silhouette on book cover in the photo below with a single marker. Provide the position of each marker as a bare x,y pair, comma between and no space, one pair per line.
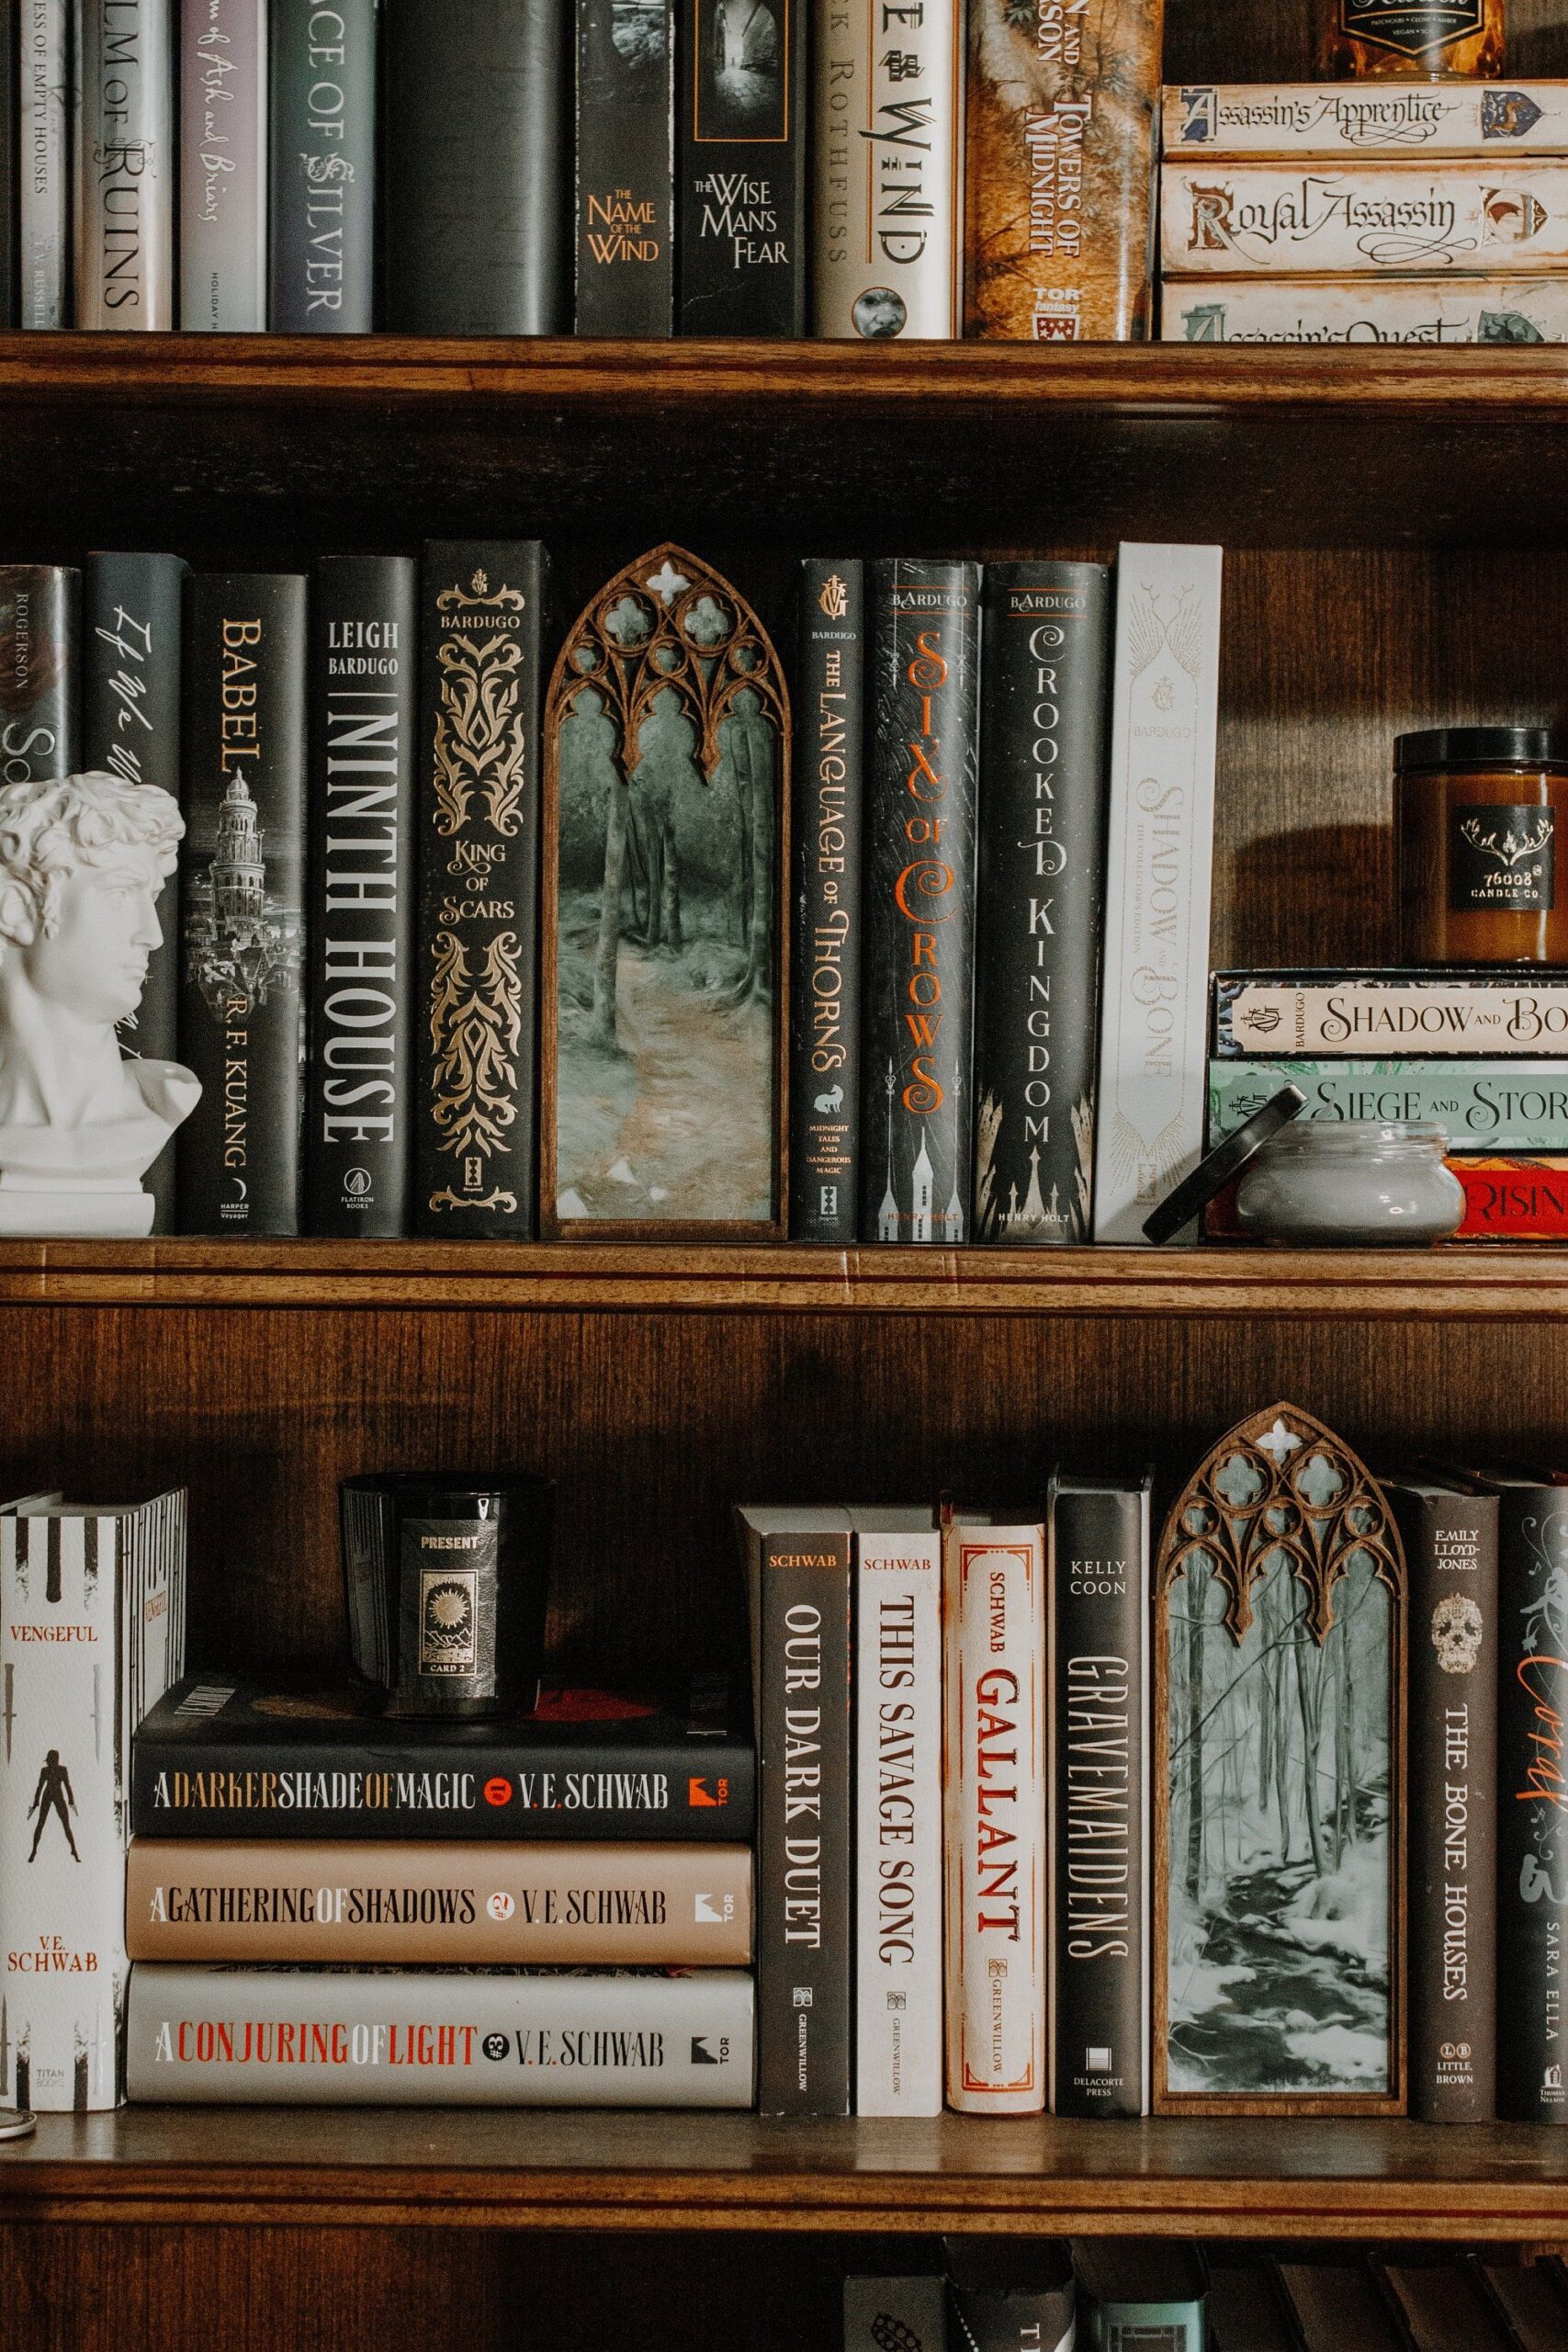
53,1794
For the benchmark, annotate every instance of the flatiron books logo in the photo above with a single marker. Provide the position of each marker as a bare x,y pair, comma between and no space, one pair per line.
448,1612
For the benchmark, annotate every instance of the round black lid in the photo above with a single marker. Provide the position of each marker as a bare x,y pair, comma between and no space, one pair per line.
1475,747
1212,1175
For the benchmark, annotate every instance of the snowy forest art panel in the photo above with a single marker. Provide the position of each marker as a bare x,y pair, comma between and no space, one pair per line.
1279,1621
666,735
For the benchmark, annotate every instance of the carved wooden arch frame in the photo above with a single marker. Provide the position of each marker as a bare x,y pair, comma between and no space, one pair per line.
629,679
1319,1557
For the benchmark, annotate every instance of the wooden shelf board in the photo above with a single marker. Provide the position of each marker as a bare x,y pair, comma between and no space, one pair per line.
513,2169
1459,1284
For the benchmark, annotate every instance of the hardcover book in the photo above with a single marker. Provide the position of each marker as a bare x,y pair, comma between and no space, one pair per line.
428,2037
896,1680
40,616
130,728
887,135
1226,220
364,703
825,966
125,164
1334,2301
43,207
1450,1551
1012,2294
478,95
798,1591
242,902
11,132
322,167
1045,652
1363,310
908,2311
476,945
1513,1107
626,167
1058,167
236,1758
441,1904
91,1631
917,971
1159,856
1533,2299
1321,1013
1141,2295
741,191
1444,2307
1098,1903
996,1678
1396,119
223,165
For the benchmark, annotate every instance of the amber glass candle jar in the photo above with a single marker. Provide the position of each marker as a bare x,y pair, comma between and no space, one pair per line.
1480,837
1363,38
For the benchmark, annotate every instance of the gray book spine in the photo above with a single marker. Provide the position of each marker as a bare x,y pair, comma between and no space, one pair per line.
10,151
40,613
224,165
125,164
43,209
323,179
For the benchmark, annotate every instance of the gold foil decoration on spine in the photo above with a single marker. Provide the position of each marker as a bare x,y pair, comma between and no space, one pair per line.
475,1024
478,747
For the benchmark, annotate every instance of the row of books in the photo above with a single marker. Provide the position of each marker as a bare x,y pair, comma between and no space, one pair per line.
631,167
1392,211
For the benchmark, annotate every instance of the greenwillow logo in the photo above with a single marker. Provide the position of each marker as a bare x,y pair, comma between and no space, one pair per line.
1414,28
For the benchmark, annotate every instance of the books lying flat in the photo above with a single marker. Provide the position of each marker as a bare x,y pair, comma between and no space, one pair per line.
1228,221
224,1757
1491,1106
1477,1013
1356,118
1366,310
674,1907
484,2037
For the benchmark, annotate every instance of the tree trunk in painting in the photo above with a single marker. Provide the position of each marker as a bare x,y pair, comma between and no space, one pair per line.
1311,1709
606,965
1194,1731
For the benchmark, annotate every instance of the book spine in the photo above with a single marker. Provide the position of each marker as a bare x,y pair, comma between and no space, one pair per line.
887,140
916,983
1046,648
72,1607
1361,119
364,628
130,728
1159,854
1532,1821
1479,1014
625,172
421,2038
477,940
1099,1908
322,174
125,164
1450,1554
896,1681
44,194
11,149
1059,167
40,615
241,904
740,193
1516,1108
440,1905
803,1894
214,1787
824,1076
478,97
1225,220
1357,310
223,165
996,1682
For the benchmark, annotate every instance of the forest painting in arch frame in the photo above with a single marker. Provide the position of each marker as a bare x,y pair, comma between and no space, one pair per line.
1280,1746
667,759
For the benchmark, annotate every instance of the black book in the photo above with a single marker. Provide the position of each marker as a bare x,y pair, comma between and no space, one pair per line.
321,174
823,1024
241,996
798,1584
1449,1536
1012,2294
1099,1761
360,920
741,190
476,166
10,152
1045,657
226,1756
916,960
131,727
626,167
40,618
1533,1794
476,957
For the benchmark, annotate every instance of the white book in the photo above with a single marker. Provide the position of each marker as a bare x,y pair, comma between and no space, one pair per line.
43,179
1392,117
92,1632
995,1707
224,165
1301,219
125,164
1159,855
1366,310
896,1679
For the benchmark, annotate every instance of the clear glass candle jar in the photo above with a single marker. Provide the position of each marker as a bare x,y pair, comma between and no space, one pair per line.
1479,815
1349,1184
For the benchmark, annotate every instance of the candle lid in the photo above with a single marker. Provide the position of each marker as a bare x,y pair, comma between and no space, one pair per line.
1471,747
1212,1174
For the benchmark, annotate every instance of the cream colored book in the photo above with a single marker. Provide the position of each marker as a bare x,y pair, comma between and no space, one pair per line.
1409,220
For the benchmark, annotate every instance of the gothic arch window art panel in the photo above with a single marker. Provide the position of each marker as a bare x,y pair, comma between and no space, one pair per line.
1279,1595
667,741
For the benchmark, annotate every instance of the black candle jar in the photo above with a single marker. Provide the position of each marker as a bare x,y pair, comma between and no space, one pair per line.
447,1580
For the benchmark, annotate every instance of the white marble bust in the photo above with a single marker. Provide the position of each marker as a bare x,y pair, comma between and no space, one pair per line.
82,861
